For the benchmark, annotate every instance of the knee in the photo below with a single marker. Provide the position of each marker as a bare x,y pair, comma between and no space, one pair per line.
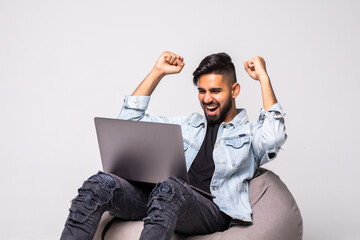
95,194
103,179
168,188
96,190
169,191
100,185
165,201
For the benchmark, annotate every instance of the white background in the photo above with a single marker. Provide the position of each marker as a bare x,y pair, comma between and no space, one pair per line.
64,62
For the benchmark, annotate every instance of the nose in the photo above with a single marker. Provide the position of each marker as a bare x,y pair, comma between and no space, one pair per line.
208,98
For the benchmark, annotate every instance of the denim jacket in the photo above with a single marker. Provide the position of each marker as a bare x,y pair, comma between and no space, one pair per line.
239,149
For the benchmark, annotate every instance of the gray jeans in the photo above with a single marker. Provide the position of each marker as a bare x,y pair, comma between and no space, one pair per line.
169,206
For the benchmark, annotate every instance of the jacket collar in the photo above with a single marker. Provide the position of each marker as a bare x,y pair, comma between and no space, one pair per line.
240,118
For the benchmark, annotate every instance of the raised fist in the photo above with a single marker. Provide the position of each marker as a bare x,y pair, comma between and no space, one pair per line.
169,63
256,67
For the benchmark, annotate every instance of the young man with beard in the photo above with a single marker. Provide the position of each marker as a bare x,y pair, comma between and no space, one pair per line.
222,150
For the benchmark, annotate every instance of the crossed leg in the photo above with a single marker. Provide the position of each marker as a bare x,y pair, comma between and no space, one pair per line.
171,205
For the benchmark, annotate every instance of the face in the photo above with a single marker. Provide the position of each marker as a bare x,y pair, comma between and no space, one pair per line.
216,97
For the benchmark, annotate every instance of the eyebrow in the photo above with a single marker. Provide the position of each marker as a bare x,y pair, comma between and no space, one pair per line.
211,89
216,89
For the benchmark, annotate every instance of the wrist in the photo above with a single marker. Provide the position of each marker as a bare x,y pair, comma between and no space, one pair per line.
264,78
157,74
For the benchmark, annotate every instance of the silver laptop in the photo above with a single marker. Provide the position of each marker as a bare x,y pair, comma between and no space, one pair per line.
142,151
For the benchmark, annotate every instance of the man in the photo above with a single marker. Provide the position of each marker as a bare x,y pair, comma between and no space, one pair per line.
222,150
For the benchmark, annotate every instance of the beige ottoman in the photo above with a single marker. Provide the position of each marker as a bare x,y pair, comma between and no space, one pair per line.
276,216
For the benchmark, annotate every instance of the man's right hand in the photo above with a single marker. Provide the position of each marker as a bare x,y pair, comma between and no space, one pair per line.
169,63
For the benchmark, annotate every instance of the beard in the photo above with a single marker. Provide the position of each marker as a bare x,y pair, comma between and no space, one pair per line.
222,115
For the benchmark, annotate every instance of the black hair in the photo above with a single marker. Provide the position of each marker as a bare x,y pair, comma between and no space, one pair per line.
218,63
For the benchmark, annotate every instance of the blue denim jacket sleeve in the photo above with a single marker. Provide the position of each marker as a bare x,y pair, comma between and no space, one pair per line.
268,134
134,109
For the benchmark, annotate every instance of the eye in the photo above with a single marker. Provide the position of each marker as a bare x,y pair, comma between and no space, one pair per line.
201,91
215,91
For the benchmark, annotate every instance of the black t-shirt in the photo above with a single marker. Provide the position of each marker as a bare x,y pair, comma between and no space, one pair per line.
203,167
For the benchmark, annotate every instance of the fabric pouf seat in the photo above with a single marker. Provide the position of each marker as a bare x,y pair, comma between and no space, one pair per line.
276,216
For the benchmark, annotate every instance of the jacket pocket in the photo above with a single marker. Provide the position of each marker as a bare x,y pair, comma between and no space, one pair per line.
237,149
237,142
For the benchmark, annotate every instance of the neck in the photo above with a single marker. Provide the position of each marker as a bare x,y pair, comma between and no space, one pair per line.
231,114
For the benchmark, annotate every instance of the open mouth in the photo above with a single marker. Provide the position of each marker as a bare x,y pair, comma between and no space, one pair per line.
211,109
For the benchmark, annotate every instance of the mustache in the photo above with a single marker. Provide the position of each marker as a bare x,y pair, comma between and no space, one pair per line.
210,103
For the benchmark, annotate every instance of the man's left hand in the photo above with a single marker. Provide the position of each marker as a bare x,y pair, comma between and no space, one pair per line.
256,68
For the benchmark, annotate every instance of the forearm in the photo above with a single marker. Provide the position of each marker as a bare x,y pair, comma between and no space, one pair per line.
134,109
167,63
268,95
148,85
256,69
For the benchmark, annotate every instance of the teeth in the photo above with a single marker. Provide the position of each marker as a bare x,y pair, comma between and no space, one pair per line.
211,107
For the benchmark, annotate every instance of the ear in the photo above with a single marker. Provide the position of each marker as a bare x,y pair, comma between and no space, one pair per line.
235,90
